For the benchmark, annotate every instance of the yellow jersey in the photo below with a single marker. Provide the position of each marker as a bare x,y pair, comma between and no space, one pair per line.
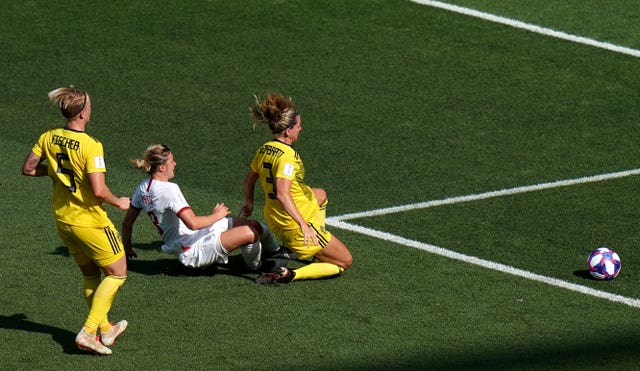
273,160
71,155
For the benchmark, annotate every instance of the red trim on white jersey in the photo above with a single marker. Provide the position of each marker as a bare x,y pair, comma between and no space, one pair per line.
182,210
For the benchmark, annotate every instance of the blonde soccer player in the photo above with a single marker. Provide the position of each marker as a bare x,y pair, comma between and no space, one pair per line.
294,211
75,163
196,240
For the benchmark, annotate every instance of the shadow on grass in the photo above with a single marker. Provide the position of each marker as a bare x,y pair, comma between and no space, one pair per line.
153,246
62,251
584,273
65,338
620,353
173,268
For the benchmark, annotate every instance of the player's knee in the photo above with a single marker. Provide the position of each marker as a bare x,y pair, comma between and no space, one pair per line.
252,232
346,262
321,195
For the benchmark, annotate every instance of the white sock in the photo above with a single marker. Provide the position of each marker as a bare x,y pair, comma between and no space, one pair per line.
251,253
269,243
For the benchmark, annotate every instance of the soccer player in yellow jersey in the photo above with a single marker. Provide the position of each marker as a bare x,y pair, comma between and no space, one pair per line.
294,211
75,163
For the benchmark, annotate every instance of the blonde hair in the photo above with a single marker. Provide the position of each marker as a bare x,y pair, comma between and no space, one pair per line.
154,156
275,110
69,100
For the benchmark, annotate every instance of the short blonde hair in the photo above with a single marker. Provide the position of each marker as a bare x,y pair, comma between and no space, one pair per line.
275,110
154,156
69,100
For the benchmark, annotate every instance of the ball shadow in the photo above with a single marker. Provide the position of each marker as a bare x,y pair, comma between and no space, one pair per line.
583,273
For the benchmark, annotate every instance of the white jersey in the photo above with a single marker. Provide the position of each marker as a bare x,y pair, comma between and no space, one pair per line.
163,202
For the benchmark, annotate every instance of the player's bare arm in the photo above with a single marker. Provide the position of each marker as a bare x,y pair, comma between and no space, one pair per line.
283,186
195,222
33,166
127,231
102,191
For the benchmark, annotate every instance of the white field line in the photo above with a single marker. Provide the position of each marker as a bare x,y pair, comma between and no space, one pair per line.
487,264
482,196
339,222
529,27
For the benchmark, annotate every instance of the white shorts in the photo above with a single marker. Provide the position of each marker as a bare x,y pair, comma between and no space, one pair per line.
208,249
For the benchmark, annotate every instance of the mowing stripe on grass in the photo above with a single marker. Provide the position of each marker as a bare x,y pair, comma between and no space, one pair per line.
482,196
529,27
485,263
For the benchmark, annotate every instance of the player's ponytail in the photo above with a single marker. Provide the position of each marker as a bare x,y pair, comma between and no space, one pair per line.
275,110
69,100
154,156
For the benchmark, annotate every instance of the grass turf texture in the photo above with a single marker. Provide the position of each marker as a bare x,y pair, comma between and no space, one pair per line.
401,103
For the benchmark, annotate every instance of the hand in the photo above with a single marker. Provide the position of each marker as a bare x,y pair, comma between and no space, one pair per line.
310,236
124,203
245,211
222,210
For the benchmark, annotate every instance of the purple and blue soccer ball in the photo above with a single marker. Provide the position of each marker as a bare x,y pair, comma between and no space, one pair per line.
604,264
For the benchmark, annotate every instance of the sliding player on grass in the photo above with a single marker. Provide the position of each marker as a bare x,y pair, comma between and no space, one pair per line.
196,240
294,211
75,163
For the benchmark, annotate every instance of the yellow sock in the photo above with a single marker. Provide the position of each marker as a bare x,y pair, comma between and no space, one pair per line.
90,285
317,270
105,327
102,299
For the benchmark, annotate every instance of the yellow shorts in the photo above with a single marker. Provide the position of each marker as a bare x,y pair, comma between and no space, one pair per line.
102,246
293,239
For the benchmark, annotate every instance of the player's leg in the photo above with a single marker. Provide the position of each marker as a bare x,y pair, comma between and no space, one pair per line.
247,238
91,274
312,271
267,240
91,278
323,201
336,253
115,277
321,195
333,261
104,247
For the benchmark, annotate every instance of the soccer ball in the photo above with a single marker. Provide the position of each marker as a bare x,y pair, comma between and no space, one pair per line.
603,263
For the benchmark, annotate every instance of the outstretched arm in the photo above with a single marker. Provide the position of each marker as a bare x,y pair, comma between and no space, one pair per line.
101,191
195,222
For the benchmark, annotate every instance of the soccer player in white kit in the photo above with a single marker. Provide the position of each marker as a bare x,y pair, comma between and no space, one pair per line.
196,240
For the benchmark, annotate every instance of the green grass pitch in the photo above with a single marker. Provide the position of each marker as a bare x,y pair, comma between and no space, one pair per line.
401,104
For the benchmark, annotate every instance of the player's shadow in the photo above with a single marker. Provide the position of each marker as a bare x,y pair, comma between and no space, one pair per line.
65,338
173,268
64,251
61,250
